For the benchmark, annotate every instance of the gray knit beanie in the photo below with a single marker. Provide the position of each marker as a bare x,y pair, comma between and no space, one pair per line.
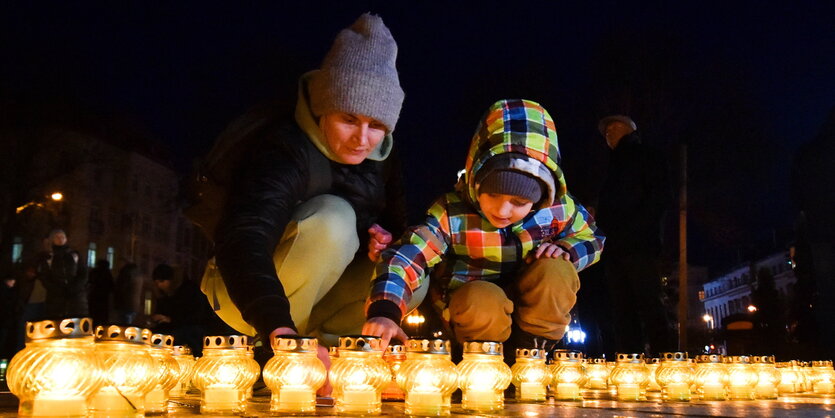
511,183
358,74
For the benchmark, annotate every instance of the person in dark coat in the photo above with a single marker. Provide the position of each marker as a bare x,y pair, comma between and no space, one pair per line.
62,273
631,204
813,190
127,297
181,309
101,291
288,262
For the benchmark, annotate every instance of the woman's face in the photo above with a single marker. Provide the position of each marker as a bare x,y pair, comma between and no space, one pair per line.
350,137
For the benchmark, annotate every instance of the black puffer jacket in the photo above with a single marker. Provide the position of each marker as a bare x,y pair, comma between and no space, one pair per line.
65,279
272,182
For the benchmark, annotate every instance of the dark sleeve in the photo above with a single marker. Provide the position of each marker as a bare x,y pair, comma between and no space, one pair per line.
259,208
394,216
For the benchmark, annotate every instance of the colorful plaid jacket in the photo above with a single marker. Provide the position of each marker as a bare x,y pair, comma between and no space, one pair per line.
513,134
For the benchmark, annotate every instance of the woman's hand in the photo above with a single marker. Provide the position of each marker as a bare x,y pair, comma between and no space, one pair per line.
378,240
384,328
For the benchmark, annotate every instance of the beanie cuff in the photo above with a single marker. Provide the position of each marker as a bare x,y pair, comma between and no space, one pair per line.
358,93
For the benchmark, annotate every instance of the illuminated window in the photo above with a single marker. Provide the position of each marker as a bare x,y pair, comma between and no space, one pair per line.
17,249
91,255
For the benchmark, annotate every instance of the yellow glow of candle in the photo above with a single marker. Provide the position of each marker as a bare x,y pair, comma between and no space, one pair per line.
629,391
678,391
155,400
221,397
292,397
52,405
713,391
424,403
358,398
479,398
532,391
567,391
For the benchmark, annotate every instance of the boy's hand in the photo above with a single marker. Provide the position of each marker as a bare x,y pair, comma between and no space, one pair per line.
378,240
549,250
384,328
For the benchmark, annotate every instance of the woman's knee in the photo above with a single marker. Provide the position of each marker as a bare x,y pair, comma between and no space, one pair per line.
331,219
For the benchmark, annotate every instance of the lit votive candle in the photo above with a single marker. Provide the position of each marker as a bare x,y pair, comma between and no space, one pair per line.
359,399
713,391
480,399
295,397
678,391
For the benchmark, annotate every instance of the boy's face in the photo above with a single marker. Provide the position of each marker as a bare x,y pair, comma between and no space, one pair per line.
502,210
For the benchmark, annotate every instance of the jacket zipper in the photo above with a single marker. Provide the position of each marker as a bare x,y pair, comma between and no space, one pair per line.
509,235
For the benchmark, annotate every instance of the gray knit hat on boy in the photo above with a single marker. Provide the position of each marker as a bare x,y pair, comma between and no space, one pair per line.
512,183
358,74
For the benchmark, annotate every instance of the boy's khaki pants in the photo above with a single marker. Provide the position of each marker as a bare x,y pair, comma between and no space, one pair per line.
543,296
325,279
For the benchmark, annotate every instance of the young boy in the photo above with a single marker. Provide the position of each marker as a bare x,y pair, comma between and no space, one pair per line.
511,240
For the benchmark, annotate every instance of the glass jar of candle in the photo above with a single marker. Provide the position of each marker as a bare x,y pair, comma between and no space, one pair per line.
394,356
359,375
597,374
652,368
483,376
711,377
182,354
767,377
791,380
428,377
294,374
824,377
130,372
675,374
531,375
568,375
225,374
630,377
57,371
742,378
168,373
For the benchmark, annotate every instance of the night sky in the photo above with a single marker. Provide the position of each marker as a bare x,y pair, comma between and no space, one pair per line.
743,84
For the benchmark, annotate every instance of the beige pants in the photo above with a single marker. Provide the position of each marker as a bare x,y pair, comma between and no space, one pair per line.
545,292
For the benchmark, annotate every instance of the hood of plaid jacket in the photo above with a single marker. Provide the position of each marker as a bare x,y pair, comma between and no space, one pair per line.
515,135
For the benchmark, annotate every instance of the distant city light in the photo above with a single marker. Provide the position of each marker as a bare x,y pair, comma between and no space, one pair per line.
707,318
57,196
575,335
752,308
415,319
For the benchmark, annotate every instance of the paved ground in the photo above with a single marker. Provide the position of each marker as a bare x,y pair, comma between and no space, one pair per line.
784,407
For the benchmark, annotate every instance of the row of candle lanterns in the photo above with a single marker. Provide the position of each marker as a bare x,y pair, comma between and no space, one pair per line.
67,368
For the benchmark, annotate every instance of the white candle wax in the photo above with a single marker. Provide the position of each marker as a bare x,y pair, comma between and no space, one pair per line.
567,391
424,402
629,391
221,397
155,400
45,405
481,399
713,391
678,391
296,398
823,388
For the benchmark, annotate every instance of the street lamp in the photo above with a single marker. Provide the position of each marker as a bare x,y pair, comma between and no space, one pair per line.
55,196
752,308
708,318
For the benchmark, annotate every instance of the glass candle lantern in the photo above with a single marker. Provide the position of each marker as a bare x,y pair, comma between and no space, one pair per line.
597,374
711,377
824,377
767,377
630,377
182,354
225,374
428,377
742,378
57,372
394,356
294,374
168,373
530,375
129,371
675,374
652,367
791,380
359,375
483,376
568,375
